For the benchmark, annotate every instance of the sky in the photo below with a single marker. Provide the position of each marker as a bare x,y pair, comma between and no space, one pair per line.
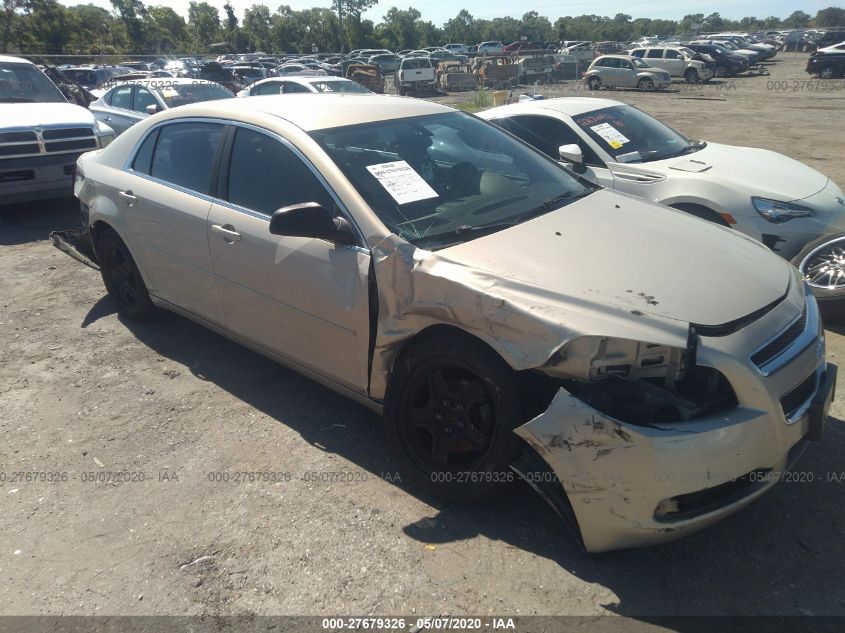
439,11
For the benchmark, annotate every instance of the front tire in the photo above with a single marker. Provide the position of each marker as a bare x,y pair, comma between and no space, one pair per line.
826,73
646,84
691,76
822,264
450,410
122,278
594,83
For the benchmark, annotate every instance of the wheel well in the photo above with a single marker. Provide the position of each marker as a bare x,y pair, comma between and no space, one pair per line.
445,331
700,211
97,228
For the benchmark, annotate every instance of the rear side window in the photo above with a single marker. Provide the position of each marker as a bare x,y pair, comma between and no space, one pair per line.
185,153
121,97
270,88
266,175
144,157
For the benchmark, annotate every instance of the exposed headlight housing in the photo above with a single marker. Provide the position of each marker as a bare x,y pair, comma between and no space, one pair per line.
779,212
589,358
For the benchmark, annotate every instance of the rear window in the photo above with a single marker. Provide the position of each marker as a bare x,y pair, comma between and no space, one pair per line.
416,62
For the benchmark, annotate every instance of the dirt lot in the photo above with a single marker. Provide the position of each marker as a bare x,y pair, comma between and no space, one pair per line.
83,392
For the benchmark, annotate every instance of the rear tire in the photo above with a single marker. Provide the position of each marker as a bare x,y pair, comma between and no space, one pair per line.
122,278
450,410
822,264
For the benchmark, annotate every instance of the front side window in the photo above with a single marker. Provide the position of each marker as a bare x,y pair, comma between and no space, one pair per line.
638,53
654,53
143,98
177,94
630,135
672,54
266,175
291,87
185,153
445,178
23,83
270,88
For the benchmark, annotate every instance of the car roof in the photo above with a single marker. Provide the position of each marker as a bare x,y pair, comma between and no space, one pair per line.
164,82
8,59
616,57
314,112
571,106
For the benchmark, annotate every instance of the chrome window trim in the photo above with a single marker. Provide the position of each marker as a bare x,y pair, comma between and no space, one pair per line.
804,340
342,209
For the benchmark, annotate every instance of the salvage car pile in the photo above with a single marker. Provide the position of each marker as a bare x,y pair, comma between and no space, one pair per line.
496,286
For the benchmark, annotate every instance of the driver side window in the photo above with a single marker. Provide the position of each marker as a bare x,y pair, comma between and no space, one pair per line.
266,175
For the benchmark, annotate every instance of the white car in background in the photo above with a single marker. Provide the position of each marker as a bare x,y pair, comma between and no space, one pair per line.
774,199
491,48
293,84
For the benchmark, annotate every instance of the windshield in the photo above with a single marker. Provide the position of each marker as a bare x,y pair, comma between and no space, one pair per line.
416,62
20,83
445,178
630,135
177,94
340,86
639,63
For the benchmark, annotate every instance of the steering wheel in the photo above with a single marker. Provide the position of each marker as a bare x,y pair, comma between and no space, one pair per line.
463,179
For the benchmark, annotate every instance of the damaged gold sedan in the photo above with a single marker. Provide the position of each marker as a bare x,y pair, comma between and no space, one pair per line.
501,311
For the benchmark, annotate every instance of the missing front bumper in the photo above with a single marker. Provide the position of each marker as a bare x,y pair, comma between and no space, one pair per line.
619,476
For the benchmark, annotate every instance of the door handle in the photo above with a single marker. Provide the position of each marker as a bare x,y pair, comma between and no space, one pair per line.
227,232
128,196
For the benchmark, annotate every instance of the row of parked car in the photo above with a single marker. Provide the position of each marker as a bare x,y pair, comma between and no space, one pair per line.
482,283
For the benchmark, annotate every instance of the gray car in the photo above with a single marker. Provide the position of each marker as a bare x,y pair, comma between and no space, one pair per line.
388,63
124,104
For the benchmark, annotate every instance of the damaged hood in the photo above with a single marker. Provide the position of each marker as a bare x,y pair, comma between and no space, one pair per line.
610,249
759,172
32,115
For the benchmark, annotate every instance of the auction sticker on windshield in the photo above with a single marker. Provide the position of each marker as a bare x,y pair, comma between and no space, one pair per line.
402,182
614,137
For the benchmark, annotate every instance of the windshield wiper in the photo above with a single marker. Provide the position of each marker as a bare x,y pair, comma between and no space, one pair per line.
555,202
692,147
16,100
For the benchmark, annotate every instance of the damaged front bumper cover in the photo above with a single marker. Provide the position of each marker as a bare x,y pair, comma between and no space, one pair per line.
631,486
77,244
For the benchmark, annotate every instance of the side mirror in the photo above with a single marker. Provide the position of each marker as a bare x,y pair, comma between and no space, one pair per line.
152,108
571,153
311,219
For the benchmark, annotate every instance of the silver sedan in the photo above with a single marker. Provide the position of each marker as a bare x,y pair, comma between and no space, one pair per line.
123,104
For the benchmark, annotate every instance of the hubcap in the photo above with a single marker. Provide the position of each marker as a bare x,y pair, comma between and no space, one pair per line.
825,266
451,419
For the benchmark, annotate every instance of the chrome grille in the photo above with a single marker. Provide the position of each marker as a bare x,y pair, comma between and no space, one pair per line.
62,140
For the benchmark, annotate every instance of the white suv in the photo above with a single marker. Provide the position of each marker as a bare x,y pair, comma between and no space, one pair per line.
678,61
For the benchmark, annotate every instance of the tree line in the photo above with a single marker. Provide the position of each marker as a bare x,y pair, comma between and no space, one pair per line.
50,28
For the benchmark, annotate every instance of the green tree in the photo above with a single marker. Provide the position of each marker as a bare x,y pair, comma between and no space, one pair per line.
257,24
204,23
832,16
461,28
797,20
399,28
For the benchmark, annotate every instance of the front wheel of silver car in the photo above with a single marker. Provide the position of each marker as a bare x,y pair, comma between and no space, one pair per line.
451,407
122,278
691,76
594,83
822,264
826,73
646,84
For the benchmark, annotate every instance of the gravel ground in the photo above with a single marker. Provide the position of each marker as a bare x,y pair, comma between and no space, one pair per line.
83,393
